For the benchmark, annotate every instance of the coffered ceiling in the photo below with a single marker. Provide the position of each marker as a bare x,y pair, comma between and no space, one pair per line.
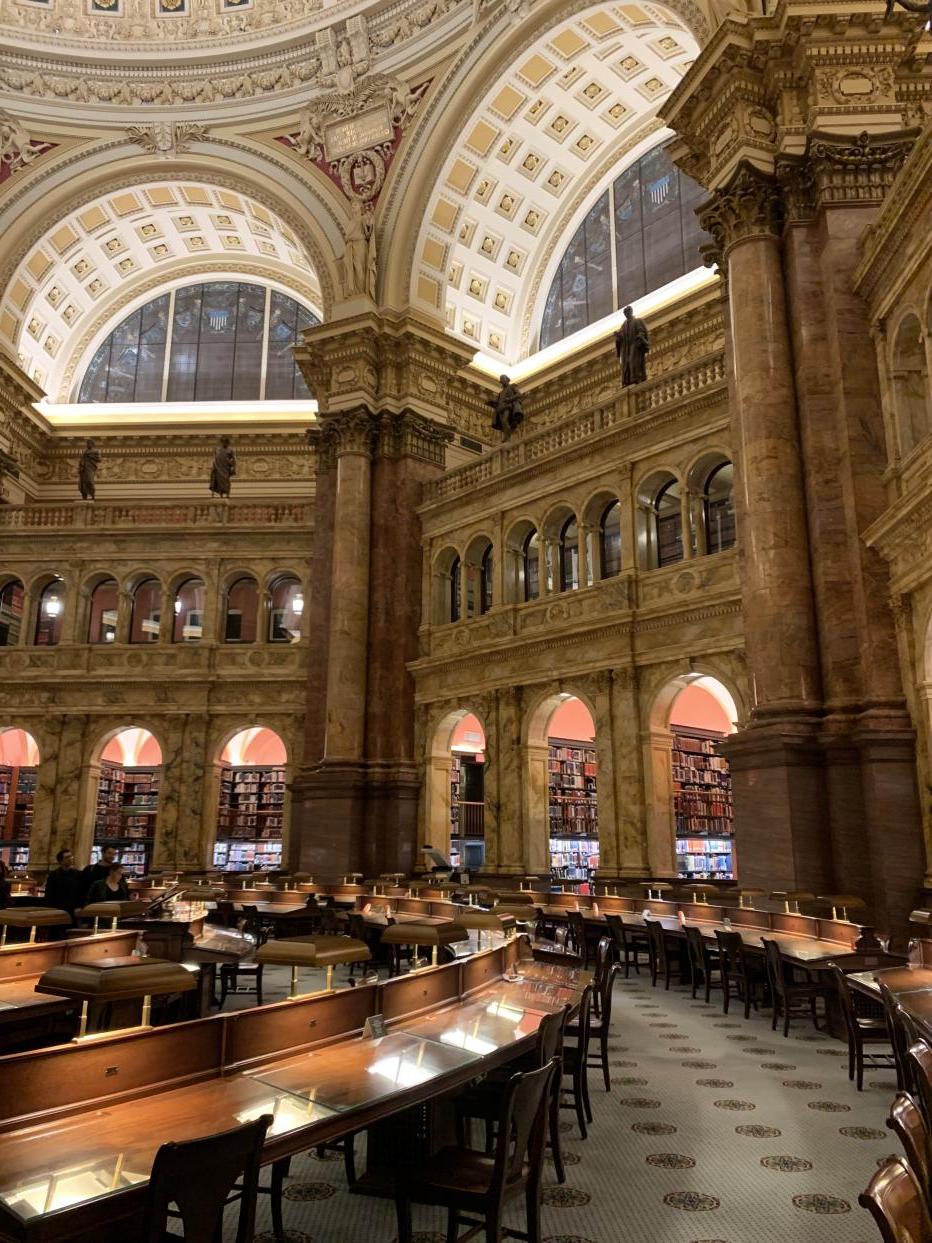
109,255
575,106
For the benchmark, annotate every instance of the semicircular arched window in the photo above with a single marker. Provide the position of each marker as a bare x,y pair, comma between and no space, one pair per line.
220,341
640,234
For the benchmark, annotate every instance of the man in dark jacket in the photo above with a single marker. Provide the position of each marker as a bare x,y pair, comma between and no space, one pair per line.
64,886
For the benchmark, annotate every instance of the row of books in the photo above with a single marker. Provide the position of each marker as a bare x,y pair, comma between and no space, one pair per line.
249,818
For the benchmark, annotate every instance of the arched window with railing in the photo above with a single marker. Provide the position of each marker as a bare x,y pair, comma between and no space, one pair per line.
531,554
569,555
610,539
146,617
102,612
719,502
242,607
50,614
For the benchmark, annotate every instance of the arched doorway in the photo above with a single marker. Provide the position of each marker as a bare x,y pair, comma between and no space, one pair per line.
691,781
572,806
127,805
251,805
467,794
19,766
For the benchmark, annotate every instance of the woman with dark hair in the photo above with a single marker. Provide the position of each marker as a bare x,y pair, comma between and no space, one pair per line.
112,889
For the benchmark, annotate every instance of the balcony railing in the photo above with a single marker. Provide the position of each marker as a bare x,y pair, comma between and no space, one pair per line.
103,515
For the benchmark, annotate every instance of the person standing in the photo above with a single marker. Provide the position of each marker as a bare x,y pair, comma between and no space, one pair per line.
64,885
97,871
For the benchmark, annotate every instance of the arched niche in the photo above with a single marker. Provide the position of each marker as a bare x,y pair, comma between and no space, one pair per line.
454,824
688,715
125,776
19,765
250,802
522,567
554,819
446,587
911,396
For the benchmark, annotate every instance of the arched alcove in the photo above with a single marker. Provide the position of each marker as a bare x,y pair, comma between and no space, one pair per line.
129,774
689,803
19,765
251,802
455,789
912,399
561,791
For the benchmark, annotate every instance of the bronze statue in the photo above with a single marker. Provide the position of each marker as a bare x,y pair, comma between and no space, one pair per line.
632,341
87,472
224,467
509,411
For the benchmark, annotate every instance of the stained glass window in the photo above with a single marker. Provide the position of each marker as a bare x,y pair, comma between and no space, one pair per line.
223,341
641,234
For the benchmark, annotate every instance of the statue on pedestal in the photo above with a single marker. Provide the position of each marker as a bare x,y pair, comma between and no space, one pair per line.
87,471
509,411
632,342
223,468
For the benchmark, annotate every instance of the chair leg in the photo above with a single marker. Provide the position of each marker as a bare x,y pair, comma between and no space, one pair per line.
349,1160
493,1227
578,1102
859,1061
708,985
776,1013
451,1226
603,1049
556,1146
532,1201
726,992
259,985
224,987
584,1078
279,1170
403,1213
786,1016
748,997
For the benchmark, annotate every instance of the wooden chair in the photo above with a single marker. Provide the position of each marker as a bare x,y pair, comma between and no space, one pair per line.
739,971
603,962
919,1069
907,1121
789,994
576,922
201,1177
576,1063
898,1037
861,1031
895,1201
470,1184
630,943
599,1029
232,973
704,962
658,954
483,1100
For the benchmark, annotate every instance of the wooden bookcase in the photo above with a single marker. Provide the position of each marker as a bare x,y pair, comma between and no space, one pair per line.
573,809
467,812
702,806
250,819
127,813
17,796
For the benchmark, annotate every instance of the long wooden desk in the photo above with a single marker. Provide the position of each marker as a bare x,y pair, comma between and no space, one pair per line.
78,1136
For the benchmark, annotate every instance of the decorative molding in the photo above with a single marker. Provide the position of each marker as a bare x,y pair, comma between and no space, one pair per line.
749,208
16,147
166,139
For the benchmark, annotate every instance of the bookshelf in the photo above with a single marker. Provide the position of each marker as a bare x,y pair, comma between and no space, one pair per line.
250,819
17,796
702,806
573,809
127,812
467,812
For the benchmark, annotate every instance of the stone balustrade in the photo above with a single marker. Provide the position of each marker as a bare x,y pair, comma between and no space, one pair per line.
170,514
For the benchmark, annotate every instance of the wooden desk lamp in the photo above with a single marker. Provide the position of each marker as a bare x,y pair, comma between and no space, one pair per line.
31,917
791,899
114,911
299,952
116,979
433,935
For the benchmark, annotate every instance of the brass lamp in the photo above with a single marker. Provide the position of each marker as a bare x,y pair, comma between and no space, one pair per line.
698,894
433,935
31,917
750,895
656,889
481,921
527,883
298,952
114,911
844,902
791,899
116,979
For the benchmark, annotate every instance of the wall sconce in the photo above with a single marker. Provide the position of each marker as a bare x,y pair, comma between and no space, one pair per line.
52,606
297,604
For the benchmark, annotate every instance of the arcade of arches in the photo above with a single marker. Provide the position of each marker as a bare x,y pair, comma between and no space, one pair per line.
677,629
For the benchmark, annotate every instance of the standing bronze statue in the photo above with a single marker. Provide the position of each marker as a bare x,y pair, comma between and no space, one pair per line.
507,404
632,341
87,471
223,468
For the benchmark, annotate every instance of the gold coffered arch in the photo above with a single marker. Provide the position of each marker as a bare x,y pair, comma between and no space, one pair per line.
552,113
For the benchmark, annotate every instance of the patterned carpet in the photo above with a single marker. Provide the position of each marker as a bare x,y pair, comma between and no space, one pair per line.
715,1131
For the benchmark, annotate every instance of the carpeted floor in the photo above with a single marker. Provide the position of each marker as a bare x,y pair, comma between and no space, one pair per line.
716,1130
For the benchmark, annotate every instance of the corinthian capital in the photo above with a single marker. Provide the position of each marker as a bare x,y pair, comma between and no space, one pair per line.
350,431
749,206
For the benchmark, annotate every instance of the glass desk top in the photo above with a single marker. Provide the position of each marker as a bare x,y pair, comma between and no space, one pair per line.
357,1073
57,1165
484,1027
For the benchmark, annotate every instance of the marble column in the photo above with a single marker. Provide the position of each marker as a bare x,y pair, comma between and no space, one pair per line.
509,854
633,857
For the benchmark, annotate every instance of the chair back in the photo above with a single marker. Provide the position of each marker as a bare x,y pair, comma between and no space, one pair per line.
519,1148
656,943
894,1199
616,927
608,993
898,1037
550,1036
584,1021
910,1126
919,1062
226,913
252,923
695,943
577,926
329,924
845,1001
357,926
774,964
199,1175
603,962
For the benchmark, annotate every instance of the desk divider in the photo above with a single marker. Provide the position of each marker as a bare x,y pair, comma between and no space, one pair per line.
265,1032
407,996
19,961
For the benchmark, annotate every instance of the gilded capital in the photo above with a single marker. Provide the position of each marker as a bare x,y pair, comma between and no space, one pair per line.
749,207
350,431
